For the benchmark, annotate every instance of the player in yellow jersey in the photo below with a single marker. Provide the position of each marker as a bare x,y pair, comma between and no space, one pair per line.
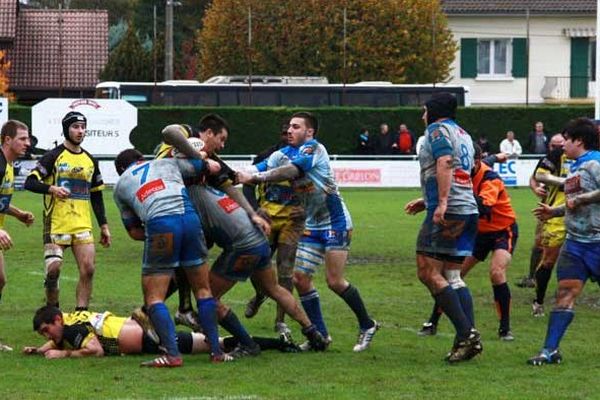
70,179
15,142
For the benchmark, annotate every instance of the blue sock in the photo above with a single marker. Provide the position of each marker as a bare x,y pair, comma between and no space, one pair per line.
232,324
450,304
559,321
164,326
312,305
466,302
207,313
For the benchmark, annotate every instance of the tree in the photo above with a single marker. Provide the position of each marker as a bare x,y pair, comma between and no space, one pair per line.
392,40
128,61
4,67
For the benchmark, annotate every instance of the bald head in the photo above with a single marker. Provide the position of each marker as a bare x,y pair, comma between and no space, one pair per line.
557,141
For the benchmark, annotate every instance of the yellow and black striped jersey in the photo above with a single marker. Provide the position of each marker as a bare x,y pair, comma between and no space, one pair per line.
82,326
80,174
6,186
557,164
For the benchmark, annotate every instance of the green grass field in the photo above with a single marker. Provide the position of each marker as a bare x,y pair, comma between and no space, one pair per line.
399,365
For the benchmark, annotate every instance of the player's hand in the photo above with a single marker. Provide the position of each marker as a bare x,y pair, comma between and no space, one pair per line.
264,215
572,203
212,166
414,206
540,191
262,224
5,240
53,354
29,350
59,191
105,237
543,212
26,217
244,177
438,214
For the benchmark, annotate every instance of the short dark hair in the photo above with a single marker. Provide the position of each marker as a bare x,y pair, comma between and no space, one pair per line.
10,127
309,119
126,158
478,151
45,315
213,122
585,130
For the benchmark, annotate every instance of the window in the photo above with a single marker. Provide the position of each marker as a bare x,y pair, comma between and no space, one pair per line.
494,58
592,58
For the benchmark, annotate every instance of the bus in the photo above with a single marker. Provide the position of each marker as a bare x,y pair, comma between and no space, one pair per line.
276,91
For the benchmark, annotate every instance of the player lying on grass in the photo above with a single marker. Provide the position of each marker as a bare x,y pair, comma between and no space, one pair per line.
85,333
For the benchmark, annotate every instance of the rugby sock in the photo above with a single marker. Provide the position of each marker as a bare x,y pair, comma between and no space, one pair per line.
502,298
232,324
450,304
542,277
352,297
466,302
534,260
560,319
436,313
312,306
164,326
207,313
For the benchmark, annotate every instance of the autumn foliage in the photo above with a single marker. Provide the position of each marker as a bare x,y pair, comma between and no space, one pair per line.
4,67
403,41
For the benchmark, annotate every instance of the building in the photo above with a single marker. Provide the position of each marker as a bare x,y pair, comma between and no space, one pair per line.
498,63
53,53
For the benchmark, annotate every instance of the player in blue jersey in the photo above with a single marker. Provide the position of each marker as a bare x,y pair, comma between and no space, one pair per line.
579,258
328,226
447,235
155,208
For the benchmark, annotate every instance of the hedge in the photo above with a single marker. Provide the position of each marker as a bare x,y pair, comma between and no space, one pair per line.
253,129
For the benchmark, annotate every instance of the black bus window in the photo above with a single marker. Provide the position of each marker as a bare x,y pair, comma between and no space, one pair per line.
259,98
305,98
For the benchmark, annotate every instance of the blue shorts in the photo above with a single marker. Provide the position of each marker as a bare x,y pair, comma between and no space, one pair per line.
238,265
499,240
315,243
455,239
173,241
579,261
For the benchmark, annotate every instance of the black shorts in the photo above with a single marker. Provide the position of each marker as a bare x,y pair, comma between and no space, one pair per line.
505,239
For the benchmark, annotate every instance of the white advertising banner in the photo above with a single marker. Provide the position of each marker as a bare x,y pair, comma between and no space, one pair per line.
3,110
109,123
374,173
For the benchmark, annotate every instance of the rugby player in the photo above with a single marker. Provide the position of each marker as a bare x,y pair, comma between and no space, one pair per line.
155,208
447,235
579,258
70,179
328,225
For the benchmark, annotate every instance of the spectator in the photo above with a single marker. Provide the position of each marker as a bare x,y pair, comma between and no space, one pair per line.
511,146
405,140
484,145
538,140
365,143
384,142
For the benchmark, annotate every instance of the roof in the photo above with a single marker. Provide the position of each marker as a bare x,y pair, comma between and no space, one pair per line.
503,7
43,47
8,20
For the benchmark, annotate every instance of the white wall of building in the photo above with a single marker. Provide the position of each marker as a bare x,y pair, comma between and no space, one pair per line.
550,54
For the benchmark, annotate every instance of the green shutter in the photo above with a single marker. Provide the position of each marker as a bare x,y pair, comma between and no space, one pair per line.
519,58
468,58
579,67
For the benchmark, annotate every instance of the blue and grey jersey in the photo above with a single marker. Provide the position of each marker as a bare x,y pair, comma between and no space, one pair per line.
317,189
151,189
583,223
447,138
223,220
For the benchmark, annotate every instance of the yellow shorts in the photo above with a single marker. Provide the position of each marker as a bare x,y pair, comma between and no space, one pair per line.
554,232
286,230
69,239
